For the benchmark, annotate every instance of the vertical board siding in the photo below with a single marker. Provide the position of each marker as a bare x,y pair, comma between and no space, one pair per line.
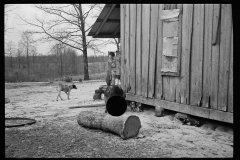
177,79
122,44
153,49
197,55
172,82
230,86
132,62
127,59
215,56
167,6
158,81
187,22
225,50
145,46
166,79
139,50
207,54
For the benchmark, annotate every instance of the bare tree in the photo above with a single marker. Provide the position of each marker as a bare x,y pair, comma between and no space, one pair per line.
11,49
8,8
26,43
69,24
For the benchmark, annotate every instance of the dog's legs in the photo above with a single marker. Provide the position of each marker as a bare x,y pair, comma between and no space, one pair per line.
59,94
68,95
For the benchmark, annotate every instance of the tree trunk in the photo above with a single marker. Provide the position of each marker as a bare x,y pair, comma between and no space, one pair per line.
126,126
84,44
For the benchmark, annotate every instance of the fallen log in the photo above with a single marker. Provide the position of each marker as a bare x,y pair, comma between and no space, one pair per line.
126,126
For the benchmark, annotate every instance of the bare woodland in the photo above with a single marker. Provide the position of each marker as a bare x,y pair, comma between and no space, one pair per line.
67,26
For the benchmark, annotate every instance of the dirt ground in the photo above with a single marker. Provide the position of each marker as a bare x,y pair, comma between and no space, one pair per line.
57,133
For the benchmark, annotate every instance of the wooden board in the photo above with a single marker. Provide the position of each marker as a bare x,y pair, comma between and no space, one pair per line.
177,79
132,62
167,6
165,79
127,39
185,54
207,54
225,51
153,49
184,108
139,50
197,55
122,46
158,81
230,85
170,81
145,46
216,17
215,57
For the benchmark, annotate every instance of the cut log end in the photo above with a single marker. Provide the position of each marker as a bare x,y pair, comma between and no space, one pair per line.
124,126
131,127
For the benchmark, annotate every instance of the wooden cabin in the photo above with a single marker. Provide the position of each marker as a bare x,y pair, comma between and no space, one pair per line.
179,57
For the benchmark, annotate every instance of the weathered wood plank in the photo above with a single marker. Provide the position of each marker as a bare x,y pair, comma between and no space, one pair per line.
165,79
225,51
172,80
153,49
139,50
197,55
177,79
215,58
132,62
184,108
230,86
216,13
145,46
158,81
173,6
122,45
185,54
127,38
167,6
207,54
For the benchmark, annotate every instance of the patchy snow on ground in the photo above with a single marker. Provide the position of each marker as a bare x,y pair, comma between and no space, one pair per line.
57,134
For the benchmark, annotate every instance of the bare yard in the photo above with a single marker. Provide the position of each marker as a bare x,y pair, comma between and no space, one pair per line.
57,133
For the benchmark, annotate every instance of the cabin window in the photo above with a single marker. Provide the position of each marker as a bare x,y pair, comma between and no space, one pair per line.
170,56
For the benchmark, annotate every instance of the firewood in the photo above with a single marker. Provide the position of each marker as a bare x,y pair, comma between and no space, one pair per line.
126,126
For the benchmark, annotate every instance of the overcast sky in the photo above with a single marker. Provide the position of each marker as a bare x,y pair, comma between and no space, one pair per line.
28,12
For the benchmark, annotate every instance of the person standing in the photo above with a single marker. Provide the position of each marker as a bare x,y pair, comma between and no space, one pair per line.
111,69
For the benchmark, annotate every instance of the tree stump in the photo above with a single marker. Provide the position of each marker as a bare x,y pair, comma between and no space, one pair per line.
126,126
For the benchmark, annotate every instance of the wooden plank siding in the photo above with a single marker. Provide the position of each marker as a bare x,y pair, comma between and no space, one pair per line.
158,77
153,49
122,22
166,79
207,55
172,80
139,50
230,84
145,46
177,79
187,21
215,56
225,50
204,86
132,62
197,55
127,58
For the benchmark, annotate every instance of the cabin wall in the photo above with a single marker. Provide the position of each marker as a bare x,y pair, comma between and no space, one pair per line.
205,49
